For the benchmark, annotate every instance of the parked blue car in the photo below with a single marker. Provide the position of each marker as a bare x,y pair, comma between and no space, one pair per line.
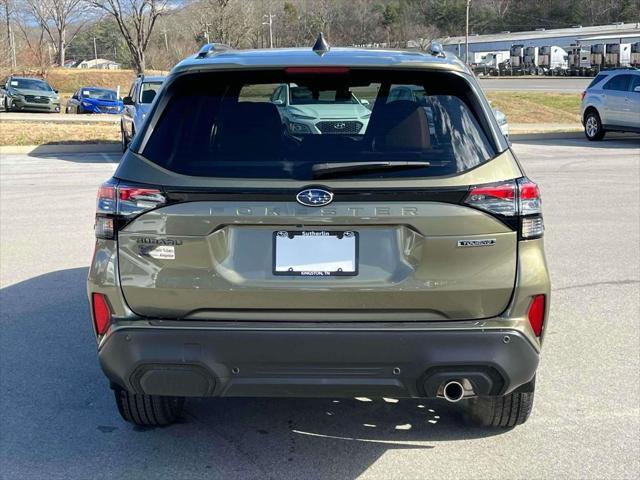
94,100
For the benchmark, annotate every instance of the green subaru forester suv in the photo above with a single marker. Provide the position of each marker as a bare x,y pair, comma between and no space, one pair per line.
234,258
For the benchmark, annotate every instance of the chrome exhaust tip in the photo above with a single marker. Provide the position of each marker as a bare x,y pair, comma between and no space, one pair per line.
453,391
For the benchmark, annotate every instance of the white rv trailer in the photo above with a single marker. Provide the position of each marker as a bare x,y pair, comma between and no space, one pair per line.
579,60
530,60
598,51
490,63
635,55
553,60
516,59
617,55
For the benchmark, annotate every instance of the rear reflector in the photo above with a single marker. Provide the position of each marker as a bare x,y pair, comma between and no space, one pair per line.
536,314
101,313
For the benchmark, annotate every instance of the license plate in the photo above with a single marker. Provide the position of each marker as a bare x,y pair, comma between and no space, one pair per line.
315,253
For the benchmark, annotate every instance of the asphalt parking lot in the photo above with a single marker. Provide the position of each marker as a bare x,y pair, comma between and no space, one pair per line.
58,419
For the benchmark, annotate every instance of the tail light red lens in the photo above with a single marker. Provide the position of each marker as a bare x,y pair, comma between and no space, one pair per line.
515,198
101,313
582,95
135,200
536,314
106,201
116,202
498,199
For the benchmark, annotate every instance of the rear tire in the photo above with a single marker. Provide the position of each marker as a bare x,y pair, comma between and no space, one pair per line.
500,412
593,126
123,140
148,410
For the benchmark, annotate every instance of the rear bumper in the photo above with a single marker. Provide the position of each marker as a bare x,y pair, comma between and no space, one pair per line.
312,362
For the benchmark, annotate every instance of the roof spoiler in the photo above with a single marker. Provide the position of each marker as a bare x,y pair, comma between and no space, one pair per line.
209,48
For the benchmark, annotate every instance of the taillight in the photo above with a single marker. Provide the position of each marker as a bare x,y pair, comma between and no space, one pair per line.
530,207
135,200
101,313
582,95
118,202
499,199
515,199
536,314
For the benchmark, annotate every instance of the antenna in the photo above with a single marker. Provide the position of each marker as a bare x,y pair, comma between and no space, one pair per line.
209,48
321,46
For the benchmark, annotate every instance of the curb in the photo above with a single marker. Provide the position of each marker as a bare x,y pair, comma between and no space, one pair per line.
79,119
567,136
62,148
546,136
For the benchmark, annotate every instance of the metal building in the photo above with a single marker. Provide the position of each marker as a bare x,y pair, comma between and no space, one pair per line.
561,37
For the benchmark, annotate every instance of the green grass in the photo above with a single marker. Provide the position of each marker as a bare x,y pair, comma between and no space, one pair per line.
534,107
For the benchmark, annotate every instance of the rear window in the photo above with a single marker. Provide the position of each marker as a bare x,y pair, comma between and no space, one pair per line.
598,78
149,91
274,124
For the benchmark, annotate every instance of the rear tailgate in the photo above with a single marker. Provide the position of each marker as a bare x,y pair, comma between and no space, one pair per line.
231,172
214,257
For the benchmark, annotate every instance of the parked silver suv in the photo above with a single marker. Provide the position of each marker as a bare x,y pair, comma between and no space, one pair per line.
611,102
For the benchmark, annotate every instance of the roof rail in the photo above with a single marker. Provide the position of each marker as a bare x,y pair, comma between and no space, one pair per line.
209,48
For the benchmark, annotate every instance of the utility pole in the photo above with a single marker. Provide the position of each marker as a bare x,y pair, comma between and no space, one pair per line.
10,37
95,51
269,22
166,43
14,63
206,32
466,36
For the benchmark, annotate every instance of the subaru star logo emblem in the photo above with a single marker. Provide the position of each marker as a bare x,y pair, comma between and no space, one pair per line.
339,125
314,197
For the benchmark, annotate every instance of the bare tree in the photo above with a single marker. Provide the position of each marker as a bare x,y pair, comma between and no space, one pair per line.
228,21
11,48
135,19
61,20
34,39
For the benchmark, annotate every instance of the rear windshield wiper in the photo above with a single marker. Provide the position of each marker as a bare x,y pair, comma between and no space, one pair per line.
346,168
